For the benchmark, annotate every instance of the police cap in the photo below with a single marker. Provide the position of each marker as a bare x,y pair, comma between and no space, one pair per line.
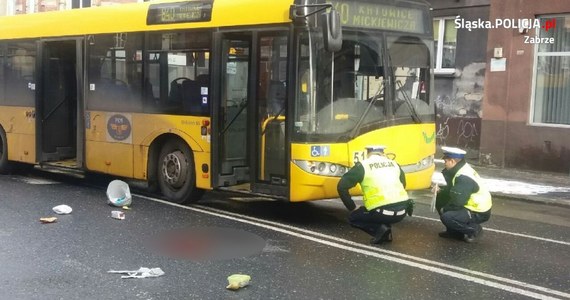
375,148
452,152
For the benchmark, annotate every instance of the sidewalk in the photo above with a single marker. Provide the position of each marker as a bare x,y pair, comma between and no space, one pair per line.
550,188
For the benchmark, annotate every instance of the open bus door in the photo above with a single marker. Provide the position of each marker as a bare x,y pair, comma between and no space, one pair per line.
248,140
58,103
230,161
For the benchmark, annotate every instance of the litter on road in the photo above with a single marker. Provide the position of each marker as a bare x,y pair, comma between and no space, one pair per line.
237,281
62,209
118,193
48,220
140,273
117,214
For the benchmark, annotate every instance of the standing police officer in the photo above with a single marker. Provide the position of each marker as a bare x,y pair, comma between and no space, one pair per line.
465,202
385,200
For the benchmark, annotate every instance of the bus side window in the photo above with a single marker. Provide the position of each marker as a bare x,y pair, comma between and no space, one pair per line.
20,73
177,66
184,93
191,96
115,72
276,99
148,101
203,80
175,95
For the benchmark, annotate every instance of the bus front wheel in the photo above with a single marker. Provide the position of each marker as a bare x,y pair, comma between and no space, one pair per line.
5,165
176,175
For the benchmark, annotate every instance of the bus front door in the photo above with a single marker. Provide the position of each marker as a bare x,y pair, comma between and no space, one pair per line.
248,143
270,162
232,109
58,103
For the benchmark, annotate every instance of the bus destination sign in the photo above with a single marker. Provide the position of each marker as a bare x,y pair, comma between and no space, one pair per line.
378,16
179,12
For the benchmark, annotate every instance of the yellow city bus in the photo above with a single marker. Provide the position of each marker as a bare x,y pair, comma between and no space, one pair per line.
273,97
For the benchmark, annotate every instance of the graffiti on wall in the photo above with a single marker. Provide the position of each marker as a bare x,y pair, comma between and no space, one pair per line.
458,108
459,132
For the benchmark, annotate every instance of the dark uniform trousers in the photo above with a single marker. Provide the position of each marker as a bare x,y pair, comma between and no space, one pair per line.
370,221
464,221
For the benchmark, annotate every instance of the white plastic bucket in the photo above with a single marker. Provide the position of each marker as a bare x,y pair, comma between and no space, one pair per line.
118,193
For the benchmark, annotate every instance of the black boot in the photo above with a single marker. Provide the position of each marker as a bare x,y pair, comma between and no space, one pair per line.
384,234
472,237
388,235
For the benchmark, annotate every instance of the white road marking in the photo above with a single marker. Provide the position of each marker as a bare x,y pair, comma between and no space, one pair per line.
37,181
421,263
509,233
533,237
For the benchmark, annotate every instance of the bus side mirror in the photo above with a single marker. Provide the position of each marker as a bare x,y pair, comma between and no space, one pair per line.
332,30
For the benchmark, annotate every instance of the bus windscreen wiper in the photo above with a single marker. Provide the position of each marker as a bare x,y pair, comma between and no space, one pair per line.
408,101
361,120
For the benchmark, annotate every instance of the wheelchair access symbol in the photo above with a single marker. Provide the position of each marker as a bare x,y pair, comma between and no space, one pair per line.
317,151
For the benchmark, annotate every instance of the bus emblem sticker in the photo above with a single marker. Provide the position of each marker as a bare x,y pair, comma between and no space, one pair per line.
119,128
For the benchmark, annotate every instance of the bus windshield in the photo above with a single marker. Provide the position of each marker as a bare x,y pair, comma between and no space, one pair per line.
375,80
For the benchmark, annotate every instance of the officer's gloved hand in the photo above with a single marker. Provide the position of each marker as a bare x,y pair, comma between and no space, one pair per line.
410,208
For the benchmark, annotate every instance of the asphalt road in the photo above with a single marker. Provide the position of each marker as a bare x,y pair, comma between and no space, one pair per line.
291,251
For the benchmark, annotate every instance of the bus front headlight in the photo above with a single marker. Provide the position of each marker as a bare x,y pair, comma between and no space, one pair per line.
321,168
421,165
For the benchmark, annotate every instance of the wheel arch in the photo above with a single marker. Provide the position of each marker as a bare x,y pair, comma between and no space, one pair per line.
5,165
154,151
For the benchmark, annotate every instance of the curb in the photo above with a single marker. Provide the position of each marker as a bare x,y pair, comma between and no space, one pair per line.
498,196
542,198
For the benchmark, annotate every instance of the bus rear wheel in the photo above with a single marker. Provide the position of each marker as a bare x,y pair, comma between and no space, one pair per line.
176,175
5,165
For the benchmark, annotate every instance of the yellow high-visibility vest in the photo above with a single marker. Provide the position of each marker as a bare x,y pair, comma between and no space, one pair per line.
381,184
480,201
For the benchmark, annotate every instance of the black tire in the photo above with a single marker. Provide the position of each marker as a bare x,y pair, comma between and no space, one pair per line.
5,165
176,175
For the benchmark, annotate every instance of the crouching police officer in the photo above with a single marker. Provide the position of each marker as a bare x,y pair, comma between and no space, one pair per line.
385,200
465,202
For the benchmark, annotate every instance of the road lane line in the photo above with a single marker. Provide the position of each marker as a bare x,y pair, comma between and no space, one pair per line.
389,256
533,237
422,260
502,231
508,232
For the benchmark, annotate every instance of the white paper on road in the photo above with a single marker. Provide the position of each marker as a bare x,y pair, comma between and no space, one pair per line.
140,273
62,209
